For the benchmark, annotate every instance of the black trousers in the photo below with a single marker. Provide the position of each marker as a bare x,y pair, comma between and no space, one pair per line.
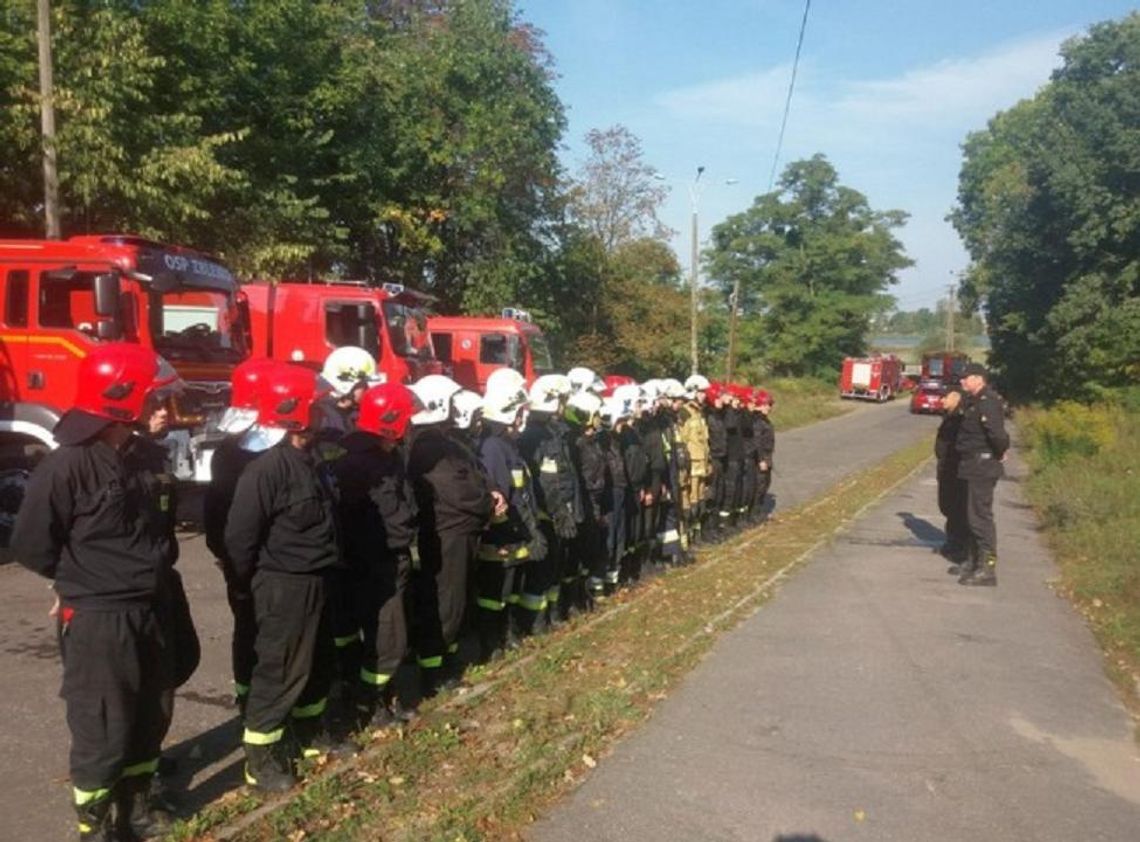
952,500
749,475
295,653
381,600
538,575
242,654
980,516
763,483
730,477
118,668
441,586
347,610
588,550
617,537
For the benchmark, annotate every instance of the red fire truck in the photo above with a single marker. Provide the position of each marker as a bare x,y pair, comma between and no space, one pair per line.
944,366
472,347
876,378
303,322
61,298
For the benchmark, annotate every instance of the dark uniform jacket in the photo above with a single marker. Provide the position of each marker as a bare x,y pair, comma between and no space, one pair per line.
634,457
90,523
450,489
376,502
654,452
545,448
150,461
765,435
515,536
982,439
229,462
946,443
718,435
590,460
748,443
282,517
615,463
734,441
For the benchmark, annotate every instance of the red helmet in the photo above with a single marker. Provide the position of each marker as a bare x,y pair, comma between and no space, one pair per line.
612,381
762,397
116,379
246,385
289,398
386,410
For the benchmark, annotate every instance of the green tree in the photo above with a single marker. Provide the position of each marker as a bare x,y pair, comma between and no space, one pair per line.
814,261
1049,209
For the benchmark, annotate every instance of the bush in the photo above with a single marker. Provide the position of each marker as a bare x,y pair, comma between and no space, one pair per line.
1069,428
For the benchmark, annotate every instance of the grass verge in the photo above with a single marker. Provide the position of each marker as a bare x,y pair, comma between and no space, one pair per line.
1085,486
801,401
484,765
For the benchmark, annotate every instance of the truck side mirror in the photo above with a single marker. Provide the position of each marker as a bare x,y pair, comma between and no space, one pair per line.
106,288
108,329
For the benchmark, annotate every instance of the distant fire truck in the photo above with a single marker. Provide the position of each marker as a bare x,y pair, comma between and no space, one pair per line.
875,378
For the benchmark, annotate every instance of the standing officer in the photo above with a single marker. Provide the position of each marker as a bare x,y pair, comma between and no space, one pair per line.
716,523
952,494
454,506
246,441
765,448
89,523
982,444
283,544
378,516
693,436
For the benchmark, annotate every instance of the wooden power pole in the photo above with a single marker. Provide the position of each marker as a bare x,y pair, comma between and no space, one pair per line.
47,122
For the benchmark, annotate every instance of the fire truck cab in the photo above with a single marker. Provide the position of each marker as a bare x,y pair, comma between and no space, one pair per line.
875,378
304,322
61,298
473,347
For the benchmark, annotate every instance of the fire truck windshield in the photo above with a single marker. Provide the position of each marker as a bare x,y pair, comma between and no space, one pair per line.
196,323
540,354
407,330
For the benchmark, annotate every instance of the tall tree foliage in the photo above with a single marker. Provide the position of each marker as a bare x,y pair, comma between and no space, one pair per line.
814,262
1049,209
410,140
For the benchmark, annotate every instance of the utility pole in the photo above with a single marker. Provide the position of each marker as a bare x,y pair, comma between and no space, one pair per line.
47,122
950,307
694,276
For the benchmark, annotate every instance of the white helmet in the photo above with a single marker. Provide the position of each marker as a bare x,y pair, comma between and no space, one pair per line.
614,409
585,380
671,388
464,405
548,391
583,407
651,390
434,393
696,383
503,401
346,367
502,378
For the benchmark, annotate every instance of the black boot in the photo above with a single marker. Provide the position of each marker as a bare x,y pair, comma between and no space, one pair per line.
137,814
985,575
492,633
267,769
95,821
315,739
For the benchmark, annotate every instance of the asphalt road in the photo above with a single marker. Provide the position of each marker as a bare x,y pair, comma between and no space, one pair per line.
35,798
873,698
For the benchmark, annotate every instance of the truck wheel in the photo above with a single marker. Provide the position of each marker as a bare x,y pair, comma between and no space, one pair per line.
884,393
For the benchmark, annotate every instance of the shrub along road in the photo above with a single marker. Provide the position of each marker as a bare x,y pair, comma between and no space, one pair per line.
810,460
874,698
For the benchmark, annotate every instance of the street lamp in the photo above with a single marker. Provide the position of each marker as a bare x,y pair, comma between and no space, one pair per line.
694,271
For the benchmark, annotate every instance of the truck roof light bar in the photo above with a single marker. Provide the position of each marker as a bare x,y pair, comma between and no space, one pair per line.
515,314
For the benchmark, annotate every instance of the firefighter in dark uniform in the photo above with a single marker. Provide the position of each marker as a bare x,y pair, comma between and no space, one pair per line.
378,518
90,523
246,440
750,463
616,415
765,435
513,538
589,458
283,544
716,522
952,492
734,458
455,504
982,445
671,536
543,444
636,464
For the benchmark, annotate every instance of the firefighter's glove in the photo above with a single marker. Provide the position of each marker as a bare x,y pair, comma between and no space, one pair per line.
564,525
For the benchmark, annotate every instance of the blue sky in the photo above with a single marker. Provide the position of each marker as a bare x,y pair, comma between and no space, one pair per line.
886,89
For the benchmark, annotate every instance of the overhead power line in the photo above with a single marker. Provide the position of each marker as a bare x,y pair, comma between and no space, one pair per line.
788,101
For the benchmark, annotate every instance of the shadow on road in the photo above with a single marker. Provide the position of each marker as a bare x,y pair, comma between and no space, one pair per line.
922,529
204,751
799,837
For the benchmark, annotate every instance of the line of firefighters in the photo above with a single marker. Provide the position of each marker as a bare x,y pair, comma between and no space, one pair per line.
355,522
